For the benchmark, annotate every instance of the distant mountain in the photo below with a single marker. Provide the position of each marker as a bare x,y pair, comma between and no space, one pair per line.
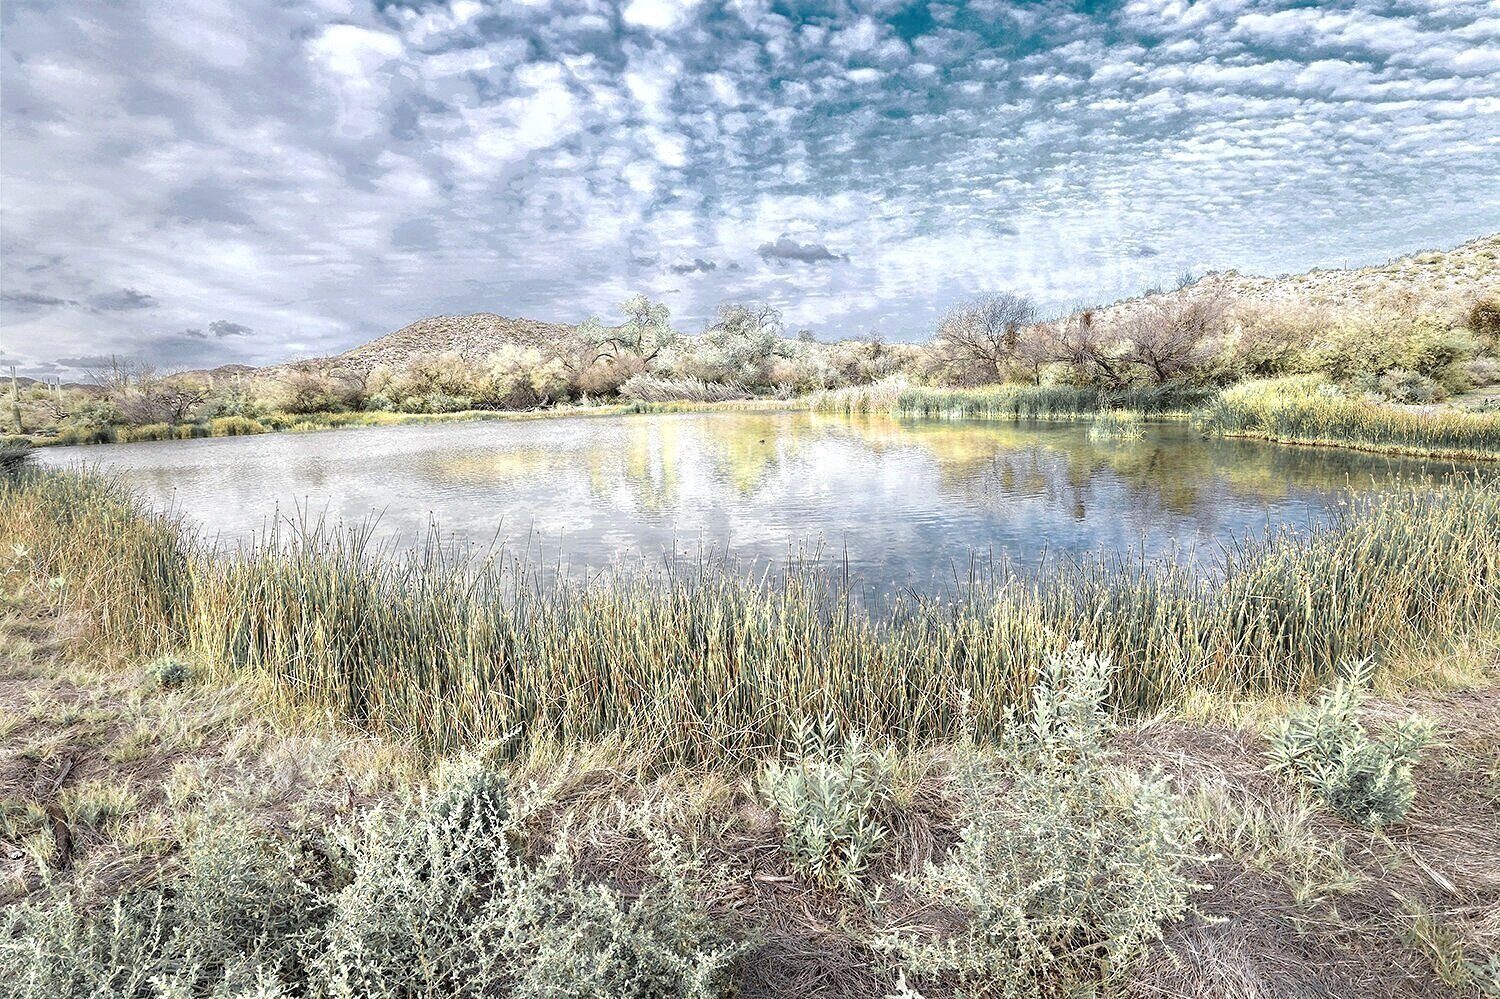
472,337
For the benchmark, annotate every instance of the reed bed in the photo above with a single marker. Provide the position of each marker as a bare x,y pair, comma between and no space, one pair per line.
1006,402
446,646
1297,411
1117,425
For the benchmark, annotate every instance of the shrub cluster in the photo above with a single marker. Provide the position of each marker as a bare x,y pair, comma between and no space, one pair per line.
428,900
1064,875
1366,780
830,797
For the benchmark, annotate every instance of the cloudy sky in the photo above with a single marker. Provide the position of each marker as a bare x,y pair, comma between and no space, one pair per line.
247,180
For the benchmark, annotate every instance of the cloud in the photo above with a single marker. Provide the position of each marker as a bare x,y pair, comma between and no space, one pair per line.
28,301
87,361
330,171
785,248
123,300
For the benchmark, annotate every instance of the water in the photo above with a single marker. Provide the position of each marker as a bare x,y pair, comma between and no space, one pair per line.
910,504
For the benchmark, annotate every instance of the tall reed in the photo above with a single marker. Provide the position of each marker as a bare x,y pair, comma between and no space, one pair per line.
1297,411
448,646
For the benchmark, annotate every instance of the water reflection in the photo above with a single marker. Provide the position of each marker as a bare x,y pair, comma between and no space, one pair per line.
907,502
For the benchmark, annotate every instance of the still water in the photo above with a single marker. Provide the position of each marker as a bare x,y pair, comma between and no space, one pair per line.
909,504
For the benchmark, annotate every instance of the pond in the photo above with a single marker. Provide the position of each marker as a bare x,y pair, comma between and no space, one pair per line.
908,504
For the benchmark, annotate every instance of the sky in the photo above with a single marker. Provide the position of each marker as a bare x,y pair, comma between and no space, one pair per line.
255,180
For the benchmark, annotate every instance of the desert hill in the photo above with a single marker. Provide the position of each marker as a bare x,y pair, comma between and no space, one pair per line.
1445,282
473,337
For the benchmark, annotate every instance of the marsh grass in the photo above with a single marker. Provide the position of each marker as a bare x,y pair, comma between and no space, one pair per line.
1300,411
447,646
1117,425
1044,402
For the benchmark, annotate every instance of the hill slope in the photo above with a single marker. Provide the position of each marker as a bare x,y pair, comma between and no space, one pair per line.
472,337
1446,282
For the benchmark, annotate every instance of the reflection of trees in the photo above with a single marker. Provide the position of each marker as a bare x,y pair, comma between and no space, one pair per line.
994,463
648,465
745,447
652,463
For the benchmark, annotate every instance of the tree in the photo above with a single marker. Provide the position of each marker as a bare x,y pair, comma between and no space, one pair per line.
142,395
1173,337
646,332
978,339
1080,342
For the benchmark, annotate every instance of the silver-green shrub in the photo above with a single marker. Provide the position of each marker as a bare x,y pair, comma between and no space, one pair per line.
1067,865
1366,780
168,672
234,922
830,797
427,900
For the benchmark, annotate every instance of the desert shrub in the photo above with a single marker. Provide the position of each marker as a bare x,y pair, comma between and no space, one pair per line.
235,426
1116,424
518,378
1482,371
1370,345
651,388
168,672
830,797
15,454
604,376
1400,385
315,388
1364,779
231,919
440,904
428,899
1063,876
1483,321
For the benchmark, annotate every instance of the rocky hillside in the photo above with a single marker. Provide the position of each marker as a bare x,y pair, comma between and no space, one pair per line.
1442,281
472,337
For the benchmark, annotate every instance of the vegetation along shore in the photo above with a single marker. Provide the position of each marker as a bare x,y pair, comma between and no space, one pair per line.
319,767
1401,358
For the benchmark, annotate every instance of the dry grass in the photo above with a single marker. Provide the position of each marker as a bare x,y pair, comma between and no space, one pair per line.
1301,903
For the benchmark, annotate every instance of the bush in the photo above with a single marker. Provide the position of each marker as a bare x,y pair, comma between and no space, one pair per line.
1368,781
1484,322
231,920
1064,877
425,900
169,672
1400,385
15,454
829,798
439,904
235,426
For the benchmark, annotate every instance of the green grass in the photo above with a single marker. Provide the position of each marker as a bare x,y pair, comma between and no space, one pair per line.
445,647
1296,411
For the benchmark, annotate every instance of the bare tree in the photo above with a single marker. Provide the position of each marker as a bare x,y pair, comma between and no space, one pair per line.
979,338
1173,337
141,395
1080,342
